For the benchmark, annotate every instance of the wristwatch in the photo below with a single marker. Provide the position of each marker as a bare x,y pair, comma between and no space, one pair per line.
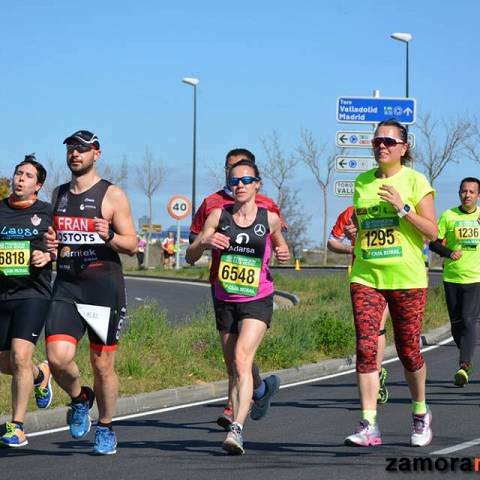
406,208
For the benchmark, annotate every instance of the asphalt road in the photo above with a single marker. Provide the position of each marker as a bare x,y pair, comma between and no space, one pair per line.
302,437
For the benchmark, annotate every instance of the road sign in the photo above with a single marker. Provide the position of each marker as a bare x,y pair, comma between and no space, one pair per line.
349,139
347,163
374,110
343,188
156,227
179,207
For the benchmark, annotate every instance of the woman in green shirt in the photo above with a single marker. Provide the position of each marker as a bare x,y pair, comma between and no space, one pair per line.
394,213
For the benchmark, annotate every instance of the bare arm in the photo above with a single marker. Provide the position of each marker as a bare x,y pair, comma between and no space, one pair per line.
338,246
207,238
280,246
116,212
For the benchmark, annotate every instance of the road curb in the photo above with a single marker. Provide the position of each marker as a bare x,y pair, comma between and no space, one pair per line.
144,402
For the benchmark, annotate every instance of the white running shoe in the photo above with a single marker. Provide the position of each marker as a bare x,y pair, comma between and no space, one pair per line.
365,435
421,429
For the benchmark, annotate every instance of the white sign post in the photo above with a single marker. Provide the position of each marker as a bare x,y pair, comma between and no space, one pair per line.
179,207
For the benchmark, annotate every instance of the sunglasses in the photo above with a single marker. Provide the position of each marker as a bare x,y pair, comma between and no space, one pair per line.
79,148
387,141
247,180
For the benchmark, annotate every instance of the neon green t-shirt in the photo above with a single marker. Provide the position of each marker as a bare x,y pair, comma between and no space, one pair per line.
389,250
462,232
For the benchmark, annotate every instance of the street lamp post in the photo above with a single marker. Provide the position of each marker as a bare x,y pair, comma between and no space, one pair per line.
405,38
193,82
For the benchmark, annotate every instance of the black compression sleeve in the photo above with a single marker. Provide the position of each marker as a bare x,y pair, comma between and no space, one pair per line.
440,249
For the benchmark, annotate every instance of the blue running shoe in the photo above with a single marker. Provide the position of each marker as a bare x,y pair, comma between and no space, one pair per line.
260,407
105,441
13,437
78,417
43,390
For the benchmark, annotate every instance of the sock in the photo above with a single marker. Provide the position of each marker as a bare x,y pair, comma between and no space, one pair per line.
18,424
238,424
40,378
106,425
370,416
83,397
419,408
260,391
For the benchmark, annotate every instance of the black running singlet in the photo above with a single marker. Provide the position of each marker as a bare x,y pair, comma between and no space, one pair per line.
88,270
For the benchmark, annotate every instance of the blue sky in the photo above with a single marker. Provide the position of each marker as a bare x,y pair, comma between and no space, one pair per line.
115,67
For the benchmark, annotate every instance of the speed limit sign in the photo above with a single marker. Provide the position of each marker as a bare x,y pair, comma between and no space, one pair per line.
179,207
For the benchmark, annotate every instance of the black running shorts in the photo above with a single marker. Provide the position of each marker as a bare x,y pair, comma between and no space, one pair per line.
229,314
22,318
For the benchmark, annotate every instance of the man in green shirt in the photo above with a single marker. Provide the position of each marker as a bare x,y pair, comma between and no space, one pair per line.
458,242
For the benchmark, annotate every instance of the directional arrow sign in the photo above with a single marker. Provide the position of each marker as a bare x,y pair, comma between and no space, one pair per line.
374,110
346,163
343,188
349,139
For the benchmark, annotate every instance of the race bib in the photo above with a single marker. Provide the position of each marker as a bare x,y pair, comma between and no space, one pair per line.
15,257
467,234
239,274
380,238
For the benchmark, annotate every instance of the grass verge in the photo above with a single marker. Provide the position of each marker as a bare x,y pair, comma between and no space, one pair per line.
153,355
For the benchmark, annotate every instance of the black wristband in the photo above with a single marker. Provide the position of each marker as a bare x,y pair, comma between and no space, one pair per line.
111,234
440,249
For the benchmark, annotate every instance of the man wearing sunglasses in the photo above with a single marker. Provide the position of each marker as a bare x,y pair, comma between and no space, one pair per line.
220,199
93,225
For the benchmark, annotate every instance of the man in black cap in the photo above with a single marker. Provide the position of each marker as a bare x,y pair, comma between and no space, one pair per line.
93,224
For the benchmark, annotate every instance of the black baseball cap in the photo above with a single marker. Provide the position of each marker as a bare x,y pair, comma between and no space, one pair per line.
84,137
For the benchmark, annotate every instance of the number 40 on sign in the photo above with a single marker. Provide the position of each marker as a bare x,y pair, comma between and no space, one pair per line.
179,207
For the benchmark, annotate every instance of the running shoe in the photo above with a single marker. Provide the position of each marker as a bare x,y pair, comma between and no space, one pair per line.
105,441
421,429
260,407
14,436
365,435
462,374
78,417
226,418
383,391
43,390
233,444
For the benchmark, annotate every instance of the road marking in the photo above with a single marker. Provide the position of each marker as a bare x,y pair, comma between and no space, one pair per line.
139,299
456,448
163,280
220,399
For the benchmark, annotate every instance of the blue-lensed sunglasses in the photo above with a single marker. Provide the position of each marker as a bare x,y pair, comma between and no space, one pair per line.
247,180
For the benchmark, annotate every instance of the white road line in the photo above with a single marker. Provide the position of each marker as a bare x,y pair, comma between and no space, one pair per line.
163,280
456,448
219,399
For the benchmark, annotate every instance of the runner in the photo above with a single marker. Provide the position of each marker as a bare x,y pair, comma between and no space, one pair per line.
336,244
394,211
93,224
459,230
244,234
220,199
141,244
168,247
25,292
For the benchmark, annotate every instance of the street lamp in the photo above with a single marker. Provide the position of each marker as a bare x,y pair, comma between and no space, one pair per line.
193,82
405,38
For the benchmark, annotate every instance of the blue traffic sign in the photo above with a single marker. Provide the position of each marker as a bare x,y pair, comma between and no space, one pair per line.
374,110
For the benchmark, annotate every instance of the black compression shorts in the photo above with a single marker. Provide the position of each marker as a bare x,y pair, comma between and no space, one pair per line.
65,323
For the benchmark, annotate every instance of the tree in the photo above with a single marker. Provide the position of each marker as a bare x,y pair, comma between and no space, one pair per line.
279,169
473,145
150,176
118,176
57,173
4,187
312,155
434,154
